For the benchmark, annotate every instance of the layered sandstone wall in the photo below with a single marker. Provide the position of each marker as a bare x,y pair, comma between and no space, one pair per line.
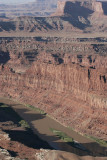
68,81
65,92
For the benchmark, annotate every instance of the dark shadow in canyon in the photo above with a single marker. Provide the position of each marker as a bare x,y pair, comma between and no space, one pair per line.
31,55
12,153
4,57
28,138
7,26
43,24
8,114
104,6
58,59
77,15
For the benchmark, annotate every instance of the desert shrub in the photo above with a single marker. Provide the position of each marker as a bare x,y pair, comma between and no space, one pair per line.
24,124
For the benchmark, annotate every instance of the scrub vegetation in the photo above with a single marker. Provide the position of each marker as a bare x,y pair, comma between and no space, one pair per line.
36,109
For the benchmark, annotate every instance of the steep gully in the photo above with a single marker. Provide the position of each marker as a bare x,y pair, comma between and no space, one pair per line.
68,81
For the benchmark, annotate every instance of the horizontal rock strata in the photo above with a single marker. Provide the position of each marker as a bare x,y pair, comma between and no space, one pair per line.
71,87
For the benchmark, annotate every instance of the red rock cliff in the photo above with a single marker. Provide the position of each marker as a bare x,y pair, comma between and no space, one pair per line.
88,4
68,83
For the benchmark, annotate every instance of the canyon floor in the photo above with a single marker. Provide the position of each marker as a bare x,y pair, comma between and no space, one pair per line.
19,141
66,78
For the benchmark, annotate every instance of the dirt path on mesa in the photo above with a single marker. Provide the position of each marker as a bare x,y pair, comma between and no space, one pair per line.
41,125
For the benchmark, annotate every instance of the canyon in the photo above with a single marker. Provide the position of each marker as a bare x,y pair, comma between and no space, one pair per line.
63,79
59,64
91,17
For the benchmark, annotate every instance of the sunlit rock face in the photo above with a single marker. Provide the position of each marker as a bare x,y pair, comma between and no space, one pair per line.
67,80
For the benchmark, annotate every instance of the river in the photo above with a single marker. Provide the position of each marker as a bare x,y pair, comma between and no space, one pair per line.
41,125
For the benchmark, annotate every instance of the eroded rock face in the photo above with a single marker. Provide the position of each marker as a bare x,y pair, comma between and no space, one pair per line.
67,80
97,7
73,6
78,16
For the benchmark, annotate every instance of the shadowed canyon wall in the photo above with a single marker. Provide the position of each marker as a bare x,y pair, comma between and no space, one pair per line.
85,5
67,80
